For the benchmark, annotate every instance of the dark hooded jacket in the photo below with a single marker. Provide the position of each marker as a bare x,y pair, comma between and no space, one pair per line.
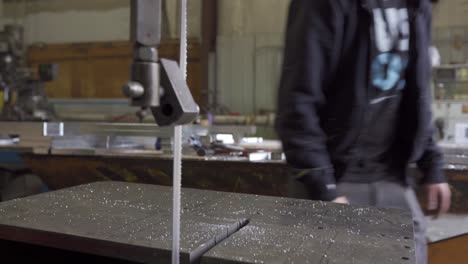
323,97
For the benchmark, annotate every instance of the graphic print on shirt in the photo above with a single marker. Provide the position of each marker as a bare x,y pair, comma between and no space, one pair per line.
390,58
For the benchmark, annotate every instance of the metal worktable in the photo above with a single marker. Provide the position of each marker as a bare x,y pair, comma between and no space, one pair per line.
131,222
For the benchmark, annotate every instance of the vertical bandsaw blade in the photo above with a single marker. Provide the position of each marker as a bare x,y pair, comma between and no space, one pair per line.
177,169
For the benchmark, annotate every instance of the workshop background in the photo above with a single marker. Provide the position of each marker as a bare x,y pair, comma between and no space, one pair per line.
244,68
234,59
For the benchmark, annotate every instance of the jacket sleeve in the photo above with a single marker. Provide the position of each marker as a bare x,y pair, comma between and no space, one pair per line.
313,27
431,162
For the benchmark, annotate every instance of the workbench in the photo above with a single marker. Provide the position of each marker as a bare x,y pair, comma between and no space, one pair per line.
114,222
448,239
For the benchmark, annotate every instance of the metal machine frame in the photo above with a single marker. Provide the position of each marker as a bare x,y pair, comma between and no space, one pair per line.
156,84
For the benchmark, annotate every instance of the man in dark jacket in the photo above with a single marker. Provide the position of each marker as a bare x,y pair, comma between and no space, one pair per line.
355,104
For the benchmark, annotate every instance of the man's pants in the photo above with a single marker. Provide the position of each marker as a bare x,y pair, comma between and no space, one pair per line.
383,194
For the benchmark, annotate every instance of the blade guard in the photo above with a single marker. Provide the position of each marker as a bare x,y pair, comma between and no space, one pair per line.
177,106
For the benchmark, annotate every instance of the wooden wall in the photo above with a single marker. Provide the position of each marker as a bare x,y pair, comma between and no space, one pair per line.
99,70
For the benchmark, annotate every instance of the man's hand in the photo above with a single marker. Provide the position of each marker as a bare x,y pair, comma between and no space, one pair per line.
341,200
438,198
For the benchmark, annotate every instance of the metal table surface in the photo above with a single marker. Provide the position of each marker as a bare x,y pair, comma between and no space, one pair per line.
132,222
447,227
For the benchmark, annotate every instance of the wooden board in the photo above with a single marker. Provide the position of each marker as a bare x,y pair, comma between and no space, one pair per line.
99,70
453,251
